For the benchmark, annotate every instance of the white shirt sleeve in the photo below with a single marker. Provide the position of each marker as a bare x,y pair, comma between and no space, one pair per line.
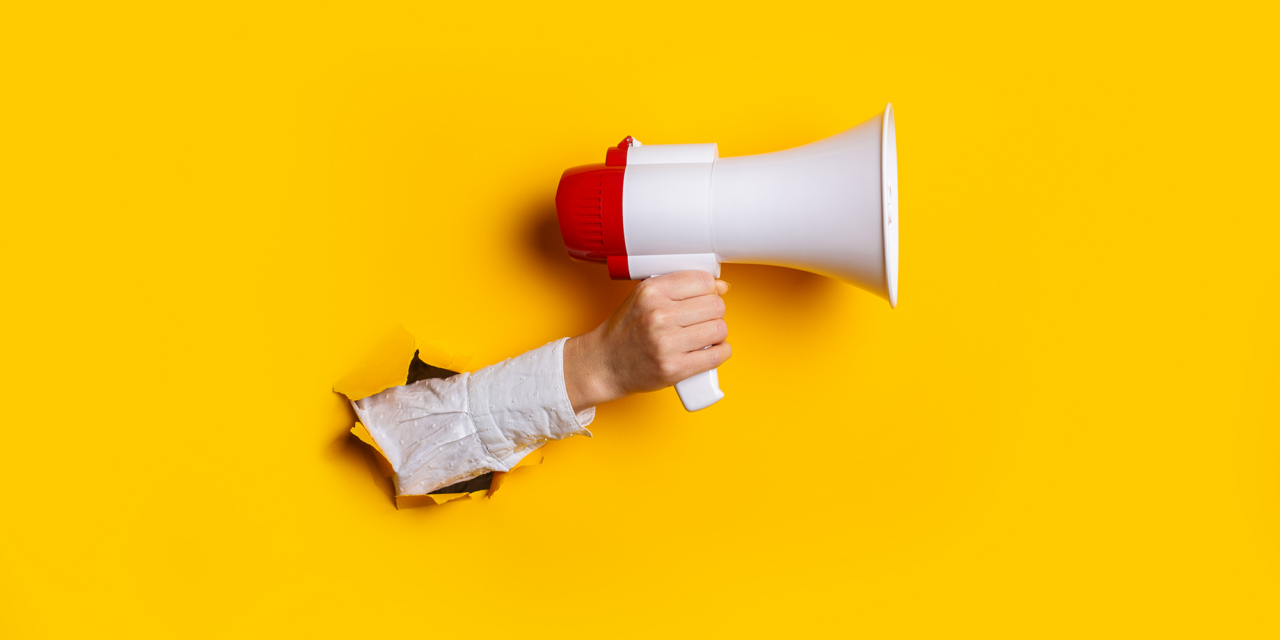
439,432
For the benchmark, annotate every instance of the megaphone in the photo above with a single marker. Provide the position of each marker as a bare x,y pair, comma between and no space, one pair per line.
829,207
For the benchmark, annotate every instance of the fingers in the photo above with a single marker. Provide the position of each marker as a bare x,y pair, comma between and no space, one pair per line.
699,336
676,327
696,311
683,285
703,360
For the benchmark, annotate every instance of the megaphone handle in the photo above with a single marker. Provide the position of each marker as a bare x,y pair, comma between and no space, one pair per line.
700,391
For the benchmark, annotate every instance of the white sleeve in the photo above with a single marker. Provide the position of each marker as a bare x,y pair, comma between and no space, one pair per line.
439,432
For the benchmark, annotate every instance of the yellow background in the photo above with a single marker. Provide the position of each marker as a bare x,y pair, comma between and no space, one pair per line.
1068,428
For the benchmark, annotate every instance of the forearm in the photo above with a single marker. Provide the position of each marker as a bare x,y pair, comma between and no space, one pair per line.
588,375
439,432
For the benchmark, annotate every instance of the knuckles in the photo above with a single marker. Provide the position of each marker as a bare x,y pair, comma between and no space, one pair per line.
718,307
655,318
721,330
664,346
669,371
648,290
723,352
658,340
707,281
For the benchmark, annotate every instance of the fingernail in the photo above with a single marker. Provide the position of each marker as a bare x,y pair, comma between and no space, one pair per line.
727,287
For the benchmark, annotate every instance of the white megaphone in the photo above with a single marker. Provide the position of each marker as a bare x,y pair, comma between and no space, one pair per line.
830,207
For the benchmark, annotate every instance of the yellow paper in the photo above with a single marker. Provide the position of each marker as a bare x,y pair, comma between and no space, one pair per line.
386,366
384,465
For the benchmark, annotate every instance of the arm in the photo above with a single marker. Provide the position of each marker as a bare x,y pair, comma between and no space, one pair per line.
438,432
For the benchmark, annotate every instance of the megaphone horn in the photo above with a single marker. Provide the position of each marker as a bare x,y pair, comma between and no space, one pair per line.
830,207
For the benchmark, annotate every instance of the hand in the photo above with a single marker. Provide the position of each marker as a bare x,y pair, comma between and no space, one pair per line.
655,339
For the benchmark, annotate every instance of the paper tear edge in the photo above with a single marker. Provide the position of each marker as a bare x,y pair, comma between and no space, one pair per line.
434,355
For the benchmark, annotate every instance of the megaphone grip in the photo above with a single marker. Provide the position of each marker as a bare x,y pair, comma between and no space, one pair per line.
700,391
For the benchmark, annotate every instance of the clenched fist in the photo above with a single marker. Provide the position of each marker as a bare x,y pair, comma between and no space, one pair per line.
668,329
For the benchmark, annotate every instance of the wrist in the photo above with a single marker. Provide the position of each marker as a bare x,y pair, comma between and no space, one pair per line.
588,379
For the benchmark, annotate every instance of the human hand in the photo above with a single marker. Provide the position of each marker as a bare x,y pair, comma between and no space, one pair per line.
670,328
